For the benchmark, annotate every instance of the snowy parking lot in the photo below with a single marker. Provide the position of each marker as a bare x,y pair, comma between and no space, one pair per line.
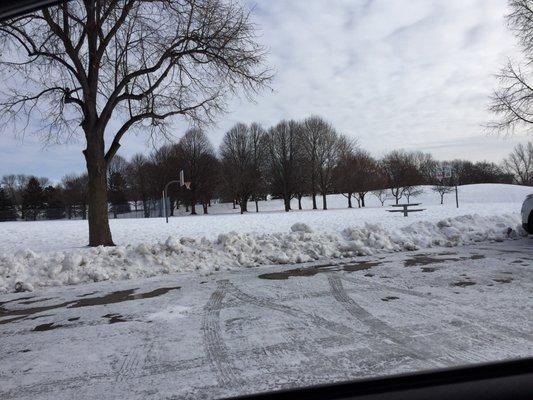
234,332
218,305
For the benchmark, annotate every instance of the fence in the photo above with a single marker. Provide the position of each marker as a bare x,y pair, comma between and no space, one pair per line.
116,211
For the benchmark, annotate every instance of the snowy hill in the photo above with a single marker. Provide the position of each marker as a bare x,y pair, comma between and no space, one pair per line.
478,193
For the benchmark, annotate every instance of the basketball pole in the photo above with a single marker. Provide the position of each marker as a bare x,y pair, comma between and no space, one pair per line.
165,198
181,182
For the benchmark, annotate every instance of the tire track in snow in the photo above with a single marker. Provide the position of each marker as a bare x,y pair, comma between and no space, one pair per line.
133,363
215,348
481,324
315,357
407,345
268,304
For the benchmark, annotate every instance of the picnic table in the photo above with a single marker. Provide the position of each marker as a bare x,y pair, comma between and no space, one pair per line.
405,208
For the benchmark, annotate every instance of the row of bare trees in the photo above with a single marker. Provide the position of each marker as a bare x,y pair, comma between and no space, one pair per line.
290,160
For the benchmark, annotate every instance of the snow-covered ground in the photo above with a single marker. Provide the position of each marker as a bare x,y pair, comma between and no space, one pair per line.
204,337
48,253
482,199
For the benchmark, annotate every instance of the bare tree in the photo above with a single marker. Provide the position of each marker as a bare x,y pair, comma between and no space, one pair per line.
412,191
320,151
302,179
520,164
235,157
466,172
139,182
258,166
196,154
311,134
382,195
442,190
367,168
328,153
75,195
357,174
106,67
208,179
380,184
401,172
512,101
426,166
282,146
242,155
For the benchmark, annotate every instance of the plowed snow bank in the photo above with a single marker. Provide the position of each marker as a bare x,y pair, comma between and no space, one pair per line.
240,250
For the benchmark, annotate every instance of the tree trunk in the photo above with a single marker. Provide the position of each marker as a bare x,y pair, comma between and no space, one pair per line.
299,202
193,200
205,207
349,200
287,202
362,196
99,232
442,198
243,204
256,206
324,202
314,200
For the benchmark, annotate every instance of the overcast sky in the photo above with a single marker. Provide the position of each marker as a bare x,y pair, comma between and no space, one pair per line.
393,73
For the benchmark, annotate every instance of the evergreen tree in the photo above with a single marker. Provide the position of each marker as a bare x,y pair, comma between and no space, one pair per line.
7,208
33,199
55,207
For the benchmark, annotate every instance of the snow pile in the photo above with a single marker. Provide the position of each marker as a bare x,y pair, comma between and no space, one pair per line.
26,269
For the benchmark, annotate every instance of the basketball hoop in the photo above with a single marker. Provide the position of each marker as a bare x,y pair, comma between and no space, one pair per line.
182,181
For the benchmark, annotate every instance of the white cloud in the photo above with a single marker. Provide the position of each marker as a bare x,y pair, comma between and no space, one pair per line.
414,73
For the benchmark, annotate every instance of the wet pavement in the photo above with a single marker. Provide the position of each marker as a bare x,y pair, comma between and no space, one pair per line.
186,336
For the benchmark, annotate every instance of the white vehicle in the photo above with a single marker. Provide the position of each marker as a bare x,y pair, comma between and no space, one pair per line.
527,214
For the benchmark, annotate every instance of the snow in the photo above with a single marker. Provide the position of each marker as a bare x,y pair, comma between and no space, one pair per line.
50,253
249,330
